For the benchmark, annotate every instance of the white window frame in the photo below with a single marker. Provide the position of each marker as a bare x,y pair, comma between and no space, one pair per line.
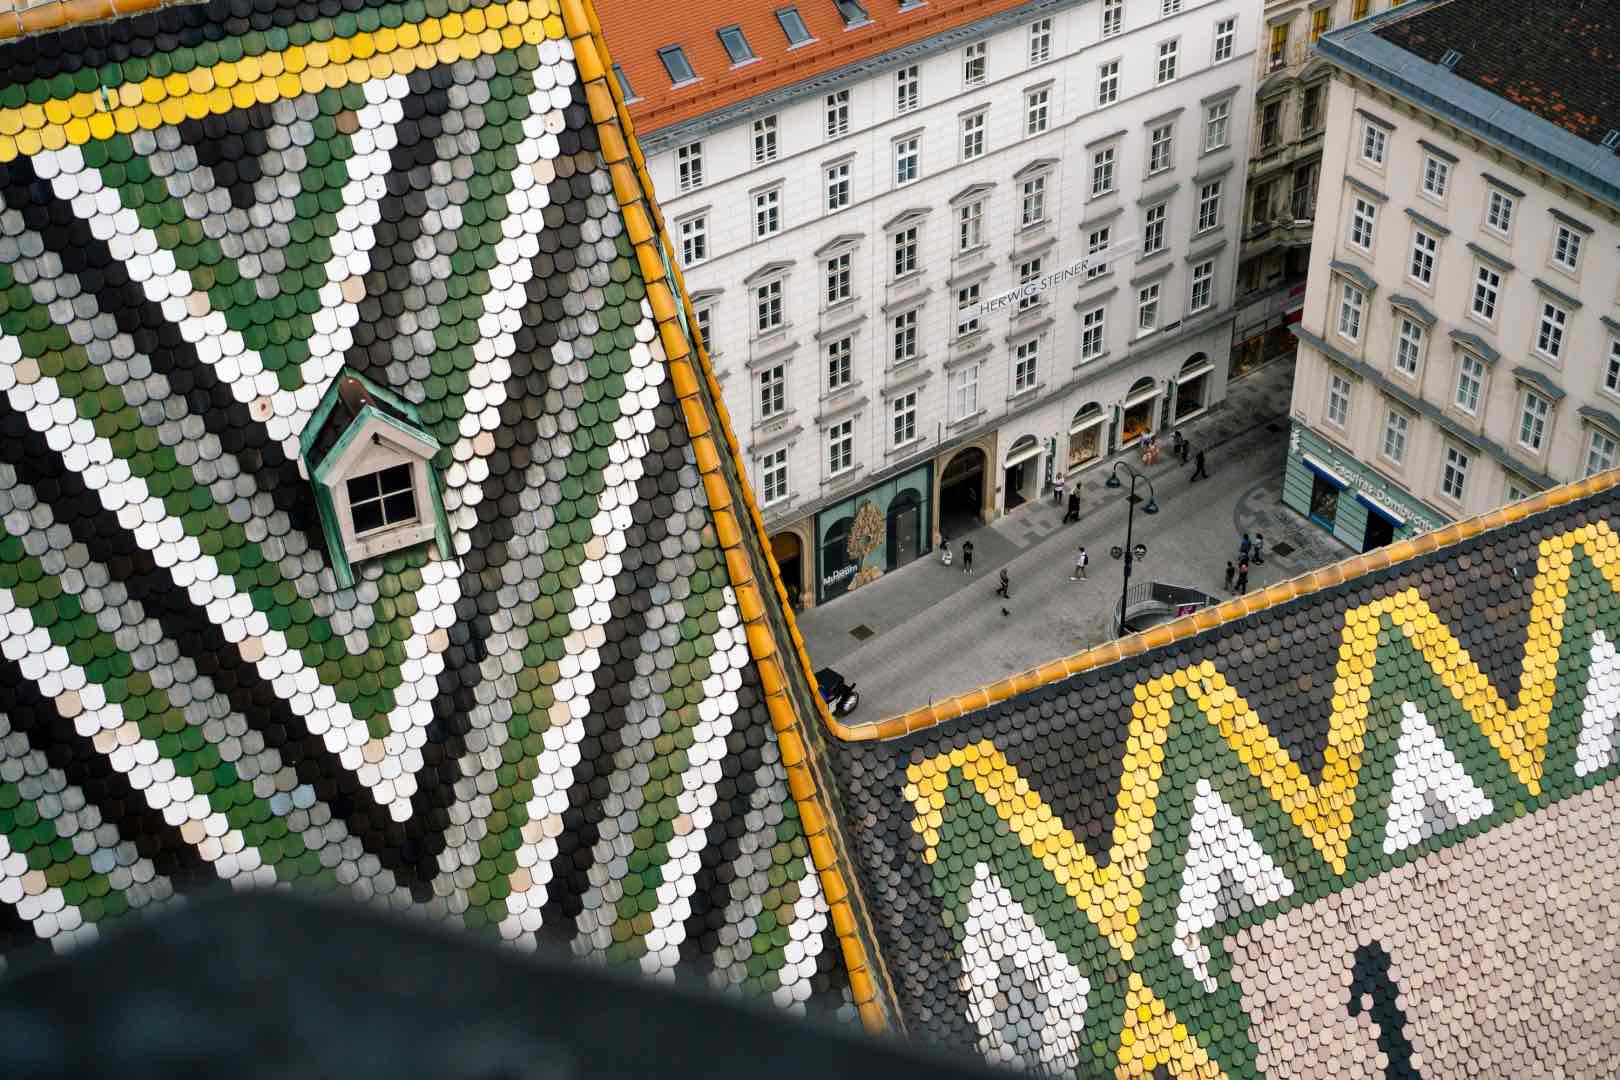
1436,180
1147,308
903,419
1103,162
1026,365
1425,250
1454,473
1161,148
770,306
1535,416
1339,393
970,226
772,385
1602,450
839,277
1029,271
1113,17
1409,339
903,338
1397,431
1352,311
773,476
766,139
703,316
906,246
1500,211
1486,294
1202,294
1040,41
1155,228
840,447
838,363
1108,82
1097,240
767,212
839,182
1032,202
1225,38
907,90
967,309
836,113
975,63
907,160
1169,62
1217,125
1209,205
1037,110
689,166
1566,248
1611,374
1168,8
694,234
1374,144
971,128
1552,331
1093,333
964,393
1363,223
1471,376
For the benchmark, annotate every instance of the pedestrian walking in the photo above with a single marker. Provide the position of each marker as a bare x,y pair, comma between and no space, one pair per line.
945,551
1259,548
1004,590
1183,447
1245,545
1243,578
1057,492
1080,561
1074,507
1199,471
1227,584
967,556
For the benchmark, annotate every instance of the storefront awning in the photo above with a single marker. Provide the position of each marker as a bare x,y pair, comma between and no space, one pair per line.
1144,395
1331,474
1200,370
1086,423
1023,454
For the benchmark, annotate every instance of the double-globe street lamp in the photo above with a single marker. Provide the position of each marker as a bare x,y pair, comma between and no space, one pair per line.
1131,551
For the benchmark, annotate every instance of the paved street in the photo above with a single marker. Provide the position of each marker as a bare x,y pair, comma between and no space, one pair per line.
928,618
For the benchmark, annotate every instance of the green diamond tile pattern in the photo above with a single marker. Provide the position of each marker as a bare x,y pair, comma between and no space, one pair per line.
1366,833
555,736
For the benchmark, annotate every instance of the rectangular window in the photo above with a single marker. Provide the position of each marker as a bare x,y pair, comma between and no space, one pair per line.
964,392
1097,242
1600,453
1153,228
1225,38
840,368
765,139
1260,204
689,166
1029,271
773,475
1567,248
1359,8
1436,176
767,213
624,83
1217,122
1040,41
1499,212
1351,302
1611,377
1147,308
1470,383
974,64
838,186
1169,7
694,241
736,45
705,323
907,90
1037,105
1423,250
1373,143
1209,205
1454,481
852,11
1408,348
1277,47
1487,285
1093,333
1203,286
1302,199
903,414
1363,216
907,161
1102,172
773,391
1321,23
837,108
1161,148
1396,426
1550,334
768,314
1113,17
973,135
1310,108
1270,124
1107,83
967,310
905,337
793,27
676,65
840,447
1026,365
1533,421
969,226
1338,400
905,251
1169,54
1034,201
839,285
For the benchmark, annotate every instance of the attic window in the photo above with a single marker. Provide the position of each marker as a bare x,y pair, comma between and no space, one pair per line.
1450,59
852,11
793,26
1611,141
370,460
676,64
736,45
624,83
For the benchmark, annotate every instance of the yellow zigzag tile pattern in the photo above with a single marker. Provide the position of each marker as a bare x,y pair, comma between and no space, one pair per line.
1110,896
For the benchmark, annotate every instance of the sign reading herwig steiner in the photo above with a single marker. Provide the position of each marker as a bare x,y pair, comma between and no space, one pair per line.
1497,956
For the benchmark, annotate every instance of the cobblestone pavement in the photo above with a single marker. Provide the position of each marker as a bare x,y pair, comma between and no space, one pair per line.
935,619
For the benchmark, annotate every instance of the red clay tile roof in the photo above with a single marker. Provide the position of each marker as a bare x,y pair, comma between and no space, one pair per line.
637,29
1559,59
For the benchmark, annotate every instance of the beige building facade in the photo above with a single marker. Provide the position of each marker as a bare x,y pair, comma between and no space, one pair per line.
1460,335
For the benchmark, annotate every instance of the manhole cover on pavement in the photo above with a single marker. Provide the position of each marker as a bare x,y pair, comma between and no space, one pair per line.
1283,549
862,632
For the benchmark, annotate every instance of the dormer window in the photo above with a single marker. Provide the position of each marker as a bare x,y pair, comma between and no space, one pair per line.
370,460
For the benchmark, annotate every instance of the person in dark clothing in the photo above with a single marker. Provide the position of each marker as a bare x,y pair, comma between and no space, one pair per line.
1244,547
967,556
1243,578
1074,506
1199,472
1259,548
1229,572
1183,447
1004,590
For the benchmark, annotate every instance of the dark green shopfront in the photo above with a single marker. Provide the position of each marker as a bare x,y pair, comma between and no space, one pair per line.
1353,502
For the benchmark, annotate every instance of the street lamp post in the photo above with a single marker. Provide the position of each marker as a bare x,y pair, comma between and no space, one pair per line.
1131,551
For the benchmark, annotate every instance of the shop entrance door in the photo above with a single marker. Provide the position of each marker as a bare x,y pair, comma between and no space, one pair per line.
1380,531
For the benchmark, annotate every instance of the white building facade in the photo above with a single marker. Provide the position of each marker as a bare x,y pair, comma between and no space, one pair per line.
849,245
1460,343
